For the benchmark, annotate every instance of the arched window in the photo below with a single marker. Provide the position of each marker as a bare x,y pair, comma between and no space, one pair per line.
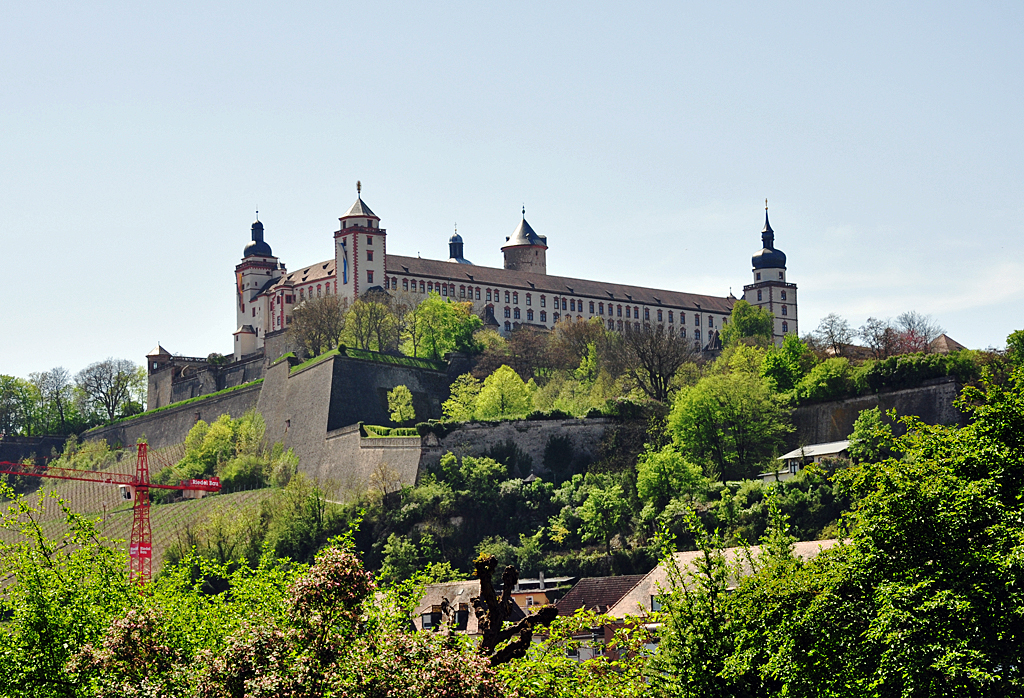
785,326
784,309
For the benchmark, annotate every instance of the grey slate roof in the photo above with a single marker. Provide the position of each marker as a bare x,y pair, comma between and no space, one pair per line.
555,285
360,209
525,235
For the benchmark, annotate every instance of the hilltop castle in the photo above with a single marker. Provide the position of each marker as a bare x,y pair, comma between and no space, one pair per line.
521,293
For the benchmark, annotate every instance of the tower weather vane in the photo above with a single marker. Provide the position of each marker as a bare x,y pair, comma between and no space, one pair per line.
359,189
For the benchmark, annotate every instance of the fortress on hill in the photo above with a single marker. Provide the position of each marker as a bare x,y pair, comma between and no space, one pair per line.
521,293
315,407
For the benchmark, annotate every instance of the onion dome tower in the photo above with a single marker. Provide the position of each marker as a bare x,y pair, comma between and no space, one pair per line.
257,270
525,250
770,289
455,249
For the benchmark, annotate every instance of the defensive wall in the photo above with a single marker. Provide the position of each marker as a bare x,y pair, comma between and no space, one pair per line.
170,425
15,449
833,421
177,378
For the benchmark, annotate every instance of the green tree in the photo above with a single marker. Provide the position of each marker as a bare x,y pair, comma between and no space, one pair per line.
108,386
665,475
18,399
832,378
1015,347
400,405
786,365
438,326
461,405
602,514
872,439
748,323
730,422
503,395
317,323
370,323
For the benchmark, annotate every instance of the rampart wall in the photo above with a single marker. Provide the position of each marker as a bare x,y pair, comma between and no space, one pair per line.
17,448
171,425
833,421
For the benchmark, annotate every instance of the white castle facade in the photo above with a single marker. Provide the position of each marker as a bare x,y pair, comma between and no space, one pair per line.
520,294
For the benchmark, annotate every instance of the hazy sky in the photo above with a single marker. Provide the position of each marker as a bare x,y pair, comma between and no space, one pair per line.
136,143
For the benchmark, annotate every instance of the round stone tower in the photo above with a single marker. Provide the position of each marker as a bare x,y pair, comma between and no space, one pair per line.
525,250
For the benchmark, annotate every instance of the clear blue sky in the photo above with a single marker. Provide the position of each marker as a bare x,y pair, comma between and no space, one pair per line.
136,143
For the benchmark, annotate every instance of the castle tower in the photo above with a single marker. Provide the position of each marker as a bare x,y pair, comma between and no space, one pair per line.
257,269
359,251
770,289
525,250
455,253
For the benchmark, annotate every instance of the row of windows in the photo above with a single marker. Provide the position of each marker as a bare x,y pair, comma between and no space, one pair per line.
758,277
783,293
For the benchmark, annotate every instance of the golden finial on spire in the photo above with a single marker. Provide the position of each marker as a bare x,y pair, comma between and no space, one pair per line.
359,189
766,204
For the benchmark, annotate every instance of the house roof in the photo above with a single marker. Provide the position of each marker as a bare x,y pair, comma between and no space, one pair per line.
943,344
555,285
827,449
457,593
638,599
596,593
158,351
525,235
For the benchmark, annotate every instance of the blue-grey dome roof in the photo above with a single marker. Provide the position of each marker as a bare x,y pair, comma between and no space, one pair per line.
768,257
257,248
455,238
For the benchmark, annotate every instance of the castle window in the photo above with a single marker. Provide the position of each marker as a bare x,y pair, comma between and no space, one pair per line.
529,300
318,290
636,313
659,316
369,255
758,276
488,295
682,318
563,304
555,317
620,325
783,295
254,311
636,326
784,309
515,314
508,297
508,311
344,224
421,287
591,307
620,311
369,238
543,316
369,276
572,304
696,321
785,326
711,320
696,335
405,284
611,324
462,291
670,316
682,332
600,308
543,301
529,314
508,326
515,297
780,274
647,314
758,295
444,290
478,294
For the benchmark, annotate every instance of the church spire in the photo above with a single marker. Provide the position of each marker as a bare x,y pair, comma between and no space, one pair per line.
767,234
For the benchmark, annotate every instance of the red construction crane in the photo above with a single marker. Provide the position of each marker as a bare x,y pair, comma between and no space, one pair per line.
136,488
